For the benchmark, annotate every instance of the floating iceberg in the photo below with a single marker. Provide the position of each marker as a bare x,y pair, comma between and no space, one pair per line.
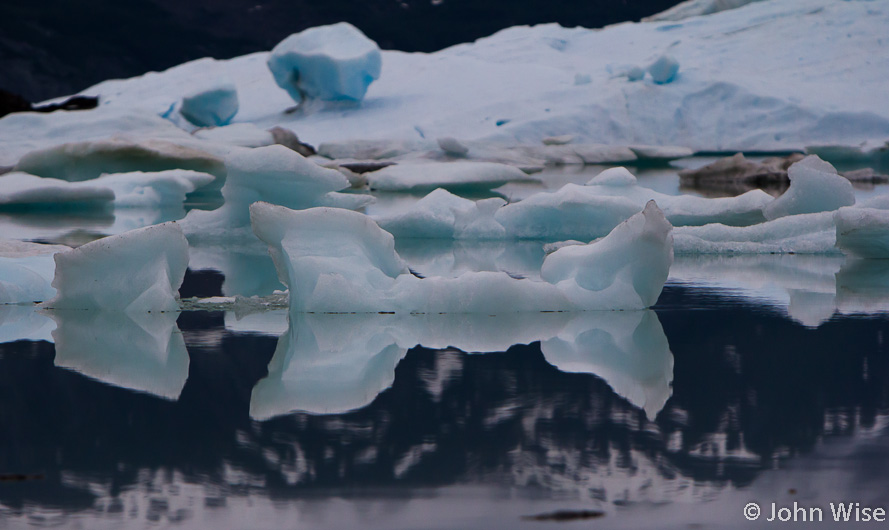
26,271
23,192
863,232
329,63
588,212
20,190
338,261
78,161
452,176
815,187
211,107
273,174
146,354
326,364
442,215
134,272
813,233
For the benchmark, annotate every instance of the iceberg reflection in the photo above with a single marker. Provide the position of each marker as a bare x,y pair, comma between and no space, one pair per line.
327,364
146,354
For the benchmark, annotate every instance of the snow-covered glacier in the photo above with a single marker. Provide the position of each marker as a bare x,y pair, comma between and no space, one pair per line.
763,76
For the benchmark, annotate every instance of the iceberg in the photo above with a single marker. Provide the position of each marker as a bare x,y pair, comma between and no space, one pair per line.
815,187
812,233
22,192
211,107
338,261
329,63
135,272
26,271
591,211
664,70
78,161
863,232
273,174
452,176
146,354
329,364
443,215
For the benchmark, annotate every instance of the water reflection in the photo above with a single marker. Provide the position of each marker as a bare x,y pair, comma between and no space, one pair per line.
759,405
328,364
145,354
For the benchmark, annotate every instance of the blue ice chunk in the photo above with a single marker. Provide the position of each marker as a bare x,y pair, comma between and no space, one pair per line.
329,63
635,74
664,70
212,107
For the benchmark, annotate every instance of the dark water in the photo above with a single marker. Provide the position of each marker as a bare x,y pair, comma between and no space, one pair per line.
761,408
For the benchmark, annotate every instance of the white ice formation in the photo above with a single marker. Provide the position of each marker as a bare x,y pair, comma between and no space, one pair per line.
329,63
336,261
160,189
273,174
815,187
452,176
863,232
136,272
26,271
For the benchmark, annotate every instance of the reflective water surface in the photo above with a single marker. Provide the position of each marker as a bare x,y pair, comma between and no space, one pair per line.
679,416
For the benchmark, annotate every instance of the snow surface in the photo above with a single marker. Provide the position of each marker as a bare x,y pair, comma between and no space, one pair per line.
329,63
135,272
769,75
335,260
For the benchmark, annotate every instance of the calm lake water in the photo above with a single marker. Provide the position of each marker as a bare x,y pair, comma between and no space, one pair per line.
755,379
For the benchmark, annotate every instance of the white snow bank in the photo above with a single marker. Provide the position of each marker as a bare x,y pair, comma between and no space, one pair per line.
863,232
124,190
695,8
327,364
211,107
134,272
452,176
340,261
26,271
815,187
329,63
86,160
145,354
763,77
272,174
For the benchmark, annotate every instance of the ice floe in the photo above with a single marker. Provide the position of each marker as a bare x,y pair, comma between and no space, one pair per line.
26,271
136,272
815,187
452,176
335,260
863,232
274,174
